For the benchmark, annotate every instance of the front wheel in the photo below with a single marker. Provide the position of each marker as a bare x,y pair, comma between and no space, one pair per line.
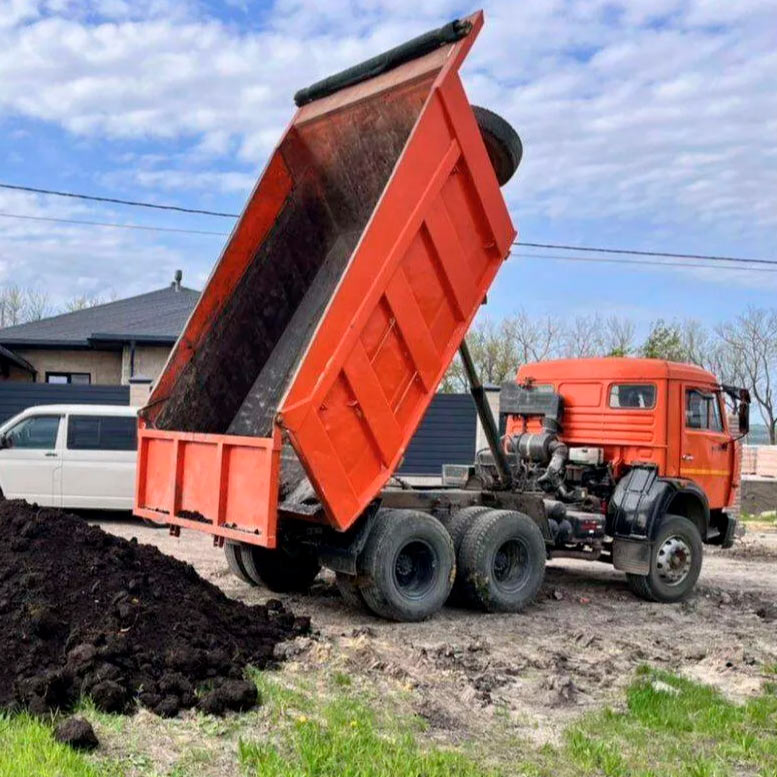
675,562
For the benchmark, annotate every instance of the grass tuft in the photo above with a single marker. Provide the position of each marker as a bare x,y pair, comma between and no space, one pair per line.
27,749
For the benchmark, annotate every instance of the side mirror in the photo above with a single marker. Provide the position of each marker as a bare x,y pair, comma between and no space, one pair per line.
744,417
3,441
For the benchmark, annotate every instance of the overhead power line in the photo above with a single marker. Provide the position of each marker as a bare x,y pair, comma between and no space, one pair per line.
111,224
117,201
635,252
654,263
221,214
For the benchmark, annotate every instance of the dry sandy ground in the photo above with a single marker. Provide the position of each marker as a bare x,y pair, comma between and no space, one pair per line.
574,650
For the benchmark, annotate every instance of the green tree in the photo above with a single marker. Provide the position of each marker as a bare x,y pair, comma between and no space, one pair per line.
665,341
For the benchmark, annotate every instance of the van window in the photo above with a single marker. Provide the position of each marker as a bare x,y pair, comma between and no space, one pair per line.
101,433
38,432
633,395
702,411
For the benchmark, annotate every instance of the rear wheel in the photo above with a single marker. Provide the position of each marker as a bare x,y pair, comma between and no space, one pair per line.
457,525
503,144
502,561
279,570
675,563
408,565
235,563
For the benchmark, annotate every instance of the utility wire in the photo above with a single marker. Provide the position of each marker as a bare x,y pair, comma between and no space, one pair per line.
111,224
116,201
555,246
642,253
624,262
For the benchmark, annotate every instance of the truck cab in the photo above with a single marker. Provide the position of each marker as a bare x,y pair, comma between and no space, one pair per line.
640,441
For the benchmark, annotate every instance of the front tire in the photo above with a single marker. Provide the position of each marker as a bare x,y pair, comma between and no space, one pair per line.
407,565
675,562
279,570
502,561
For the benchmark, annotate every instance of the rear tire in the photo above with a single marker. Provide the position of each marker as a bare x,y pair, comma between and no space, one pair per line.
675,563
235,563
457,526
502,561
408,565
503,143
279,570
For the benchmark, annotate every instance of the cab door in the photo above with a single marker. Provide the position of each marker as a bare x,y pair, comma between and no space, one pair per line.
705,455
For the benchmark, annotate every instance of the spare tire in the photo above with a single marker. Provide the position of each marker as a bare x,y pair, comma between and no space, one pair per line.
503,143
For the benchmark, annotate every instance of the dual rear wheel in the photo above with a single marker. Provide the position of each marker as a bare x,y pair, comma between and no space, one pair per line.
408,566
412,563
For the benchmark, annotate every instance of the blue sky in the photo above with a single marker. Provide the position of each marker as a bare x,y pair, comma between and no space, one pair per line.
647,124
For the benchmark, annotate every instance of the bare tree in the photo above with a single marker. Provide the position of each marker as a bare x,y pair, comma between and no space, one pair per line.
619,334
499,348
751,357
36,305
82,302
19,305
583,337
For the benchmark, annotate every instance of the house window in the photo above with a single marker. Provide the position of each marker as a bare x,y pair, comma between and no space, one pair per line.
76,378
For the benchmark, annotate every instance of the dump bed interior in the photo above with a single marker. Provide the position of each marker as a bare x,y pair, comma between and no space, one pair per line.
337,304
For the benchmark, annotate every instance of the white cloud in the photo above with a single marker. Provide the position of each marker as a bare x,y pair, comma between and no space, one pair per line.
663,111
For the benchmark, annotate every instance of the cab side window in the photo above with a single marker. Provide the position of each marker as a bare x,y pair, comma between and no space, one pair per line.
36,433
633,395
702,411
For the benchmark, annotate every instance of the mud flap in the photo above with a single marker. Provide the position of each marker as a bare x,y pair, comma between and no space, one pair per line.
632,556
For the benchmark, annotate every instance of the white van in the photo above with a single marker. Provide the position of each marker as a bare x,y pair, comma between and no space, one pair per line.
74,456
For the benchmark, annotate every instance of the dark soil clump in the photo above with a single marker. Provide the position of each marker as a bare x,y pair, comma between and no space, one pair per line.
85,613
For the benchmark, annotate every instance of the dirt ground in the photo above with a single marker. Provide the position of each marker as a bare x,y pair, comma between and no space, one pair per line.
574,650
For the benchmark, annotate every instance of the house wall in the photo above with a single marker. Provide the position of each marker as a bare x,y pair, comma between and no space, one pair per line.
103,366
149,361
16,374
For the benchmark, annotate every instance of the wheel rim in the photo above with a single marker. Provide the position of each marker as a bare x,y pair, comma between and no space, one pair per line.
415,569
510,565
673,561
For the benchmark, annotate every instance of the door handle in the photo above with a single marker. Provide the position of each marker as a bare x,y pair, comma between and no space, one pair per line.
51,455
687,457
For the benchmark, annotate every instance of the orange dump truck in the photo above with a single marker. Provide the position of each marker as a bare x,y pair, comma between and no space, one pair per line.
341,297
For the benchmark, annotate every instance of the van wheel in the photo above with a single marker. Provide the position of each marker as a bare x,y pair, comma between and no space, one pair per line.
502,561
675,563
503,143
235,563
279,570
408,565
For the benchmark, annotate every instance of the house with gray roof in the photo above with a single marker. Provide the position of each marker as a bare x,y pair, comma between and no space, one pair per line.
117,343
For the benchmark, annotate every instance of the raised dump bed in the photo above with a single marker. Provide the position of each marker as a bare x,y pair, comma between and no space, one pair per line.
339,301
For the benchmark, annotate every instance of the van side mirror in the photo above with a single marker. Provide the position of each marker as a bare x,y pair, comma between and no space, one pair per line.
3,441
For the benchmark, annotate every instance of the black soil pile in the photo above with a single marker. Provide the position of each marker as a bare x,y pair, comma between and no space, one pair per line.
85,613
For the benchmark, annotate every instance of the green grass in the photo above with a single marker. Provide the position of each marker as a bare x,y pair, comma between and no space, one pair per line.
27,749
346,736
769,517
672,726
331,724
